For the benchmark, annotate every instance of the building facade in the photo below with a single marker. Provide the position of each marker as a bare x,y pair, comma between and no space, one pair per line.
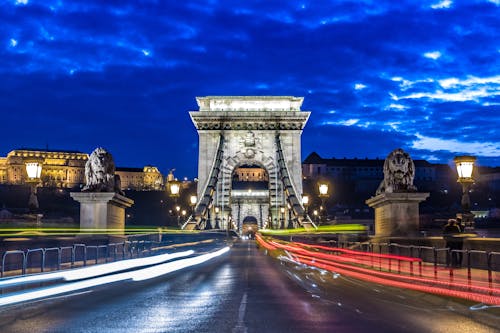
148,178
66,169
366,174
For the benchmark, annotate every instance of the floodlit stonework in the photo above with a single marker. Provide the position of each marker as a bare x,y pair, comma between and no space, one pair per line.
59,168
66,169
240,131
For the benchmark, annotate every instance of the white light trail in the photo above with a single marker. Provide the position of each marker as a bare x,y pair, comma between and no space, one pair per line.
138,275
93,271
155,271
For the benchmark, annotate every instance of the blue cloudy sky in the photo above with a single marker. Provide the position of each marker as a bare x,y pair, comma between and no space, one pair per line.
423,75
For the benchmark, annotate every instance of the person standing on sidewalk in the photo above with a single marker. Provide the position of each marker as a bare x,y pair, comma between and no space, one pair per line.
454,241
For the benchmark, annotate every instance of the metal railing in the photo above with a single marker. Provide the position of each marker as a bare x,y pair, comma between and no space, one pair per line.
438,257
20,262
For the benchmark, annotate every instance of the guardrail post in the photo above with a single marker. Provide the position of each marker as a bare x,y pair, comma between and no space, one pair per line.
59,259
451,253
488,261
25,264
469,275
435,262
124,253
43,259
420,249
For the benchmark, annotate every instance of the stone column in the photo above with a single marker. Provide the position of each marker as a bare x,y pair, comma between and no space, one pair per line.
396,214
102,210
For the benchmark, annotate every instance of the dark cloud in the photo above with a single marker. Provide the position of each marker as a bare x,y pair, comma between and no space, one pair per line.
377,74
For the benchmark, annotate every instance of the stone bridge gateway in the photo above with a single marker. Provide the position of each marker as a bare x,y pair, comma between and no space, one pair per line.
254,132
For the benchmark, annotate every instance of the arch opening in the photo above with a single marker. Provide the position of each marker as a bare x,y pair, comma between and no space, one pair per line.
249,227
250,196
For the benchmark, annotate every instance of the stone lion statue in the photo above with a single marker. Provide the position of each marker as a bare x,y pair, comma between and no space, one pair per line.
399,172
100,173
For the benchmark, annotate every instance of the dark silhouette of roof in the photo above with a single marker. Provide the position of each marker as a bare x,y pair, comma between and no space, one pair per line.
314,158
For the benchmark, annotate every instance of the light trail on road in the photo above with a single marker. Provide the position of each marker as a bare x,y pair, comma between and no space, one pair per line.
136,275
349,266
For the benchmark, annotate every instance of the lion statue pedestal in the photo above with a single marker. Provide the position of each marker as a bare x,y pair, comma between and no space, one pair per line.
396,201
104,210
102,203
397,214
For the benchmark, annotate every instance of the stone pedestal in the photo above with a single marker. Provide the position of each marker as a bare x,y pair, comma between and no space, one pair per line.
396,214
102,210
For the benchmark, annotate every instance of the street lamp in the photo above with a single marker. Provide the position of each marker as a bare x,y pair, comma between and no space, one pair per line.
290,223
174,188
177,210
323,195
315,213
34,170
217,218
282,221
193,199
465,166
305,202
183,215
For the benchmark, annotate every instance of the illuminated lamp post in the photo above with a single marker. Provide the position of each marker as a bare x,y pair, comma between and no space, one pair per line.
174,189
282,220
183,215
305,203
465,167
323,195
178,210
34,170
290,222
315,213
217,218
193,199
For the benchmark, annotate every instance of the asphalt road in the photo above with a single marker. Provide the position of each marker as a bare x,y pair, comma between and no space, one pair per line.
248,291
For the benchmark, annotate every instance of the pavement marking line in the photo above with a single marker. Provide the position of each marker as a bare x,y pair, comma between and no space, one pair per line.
240,326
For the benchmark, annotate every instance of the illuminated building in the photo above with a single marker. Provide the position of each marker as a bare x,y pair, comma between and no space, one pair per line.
250,174
66,169
145,179
59,168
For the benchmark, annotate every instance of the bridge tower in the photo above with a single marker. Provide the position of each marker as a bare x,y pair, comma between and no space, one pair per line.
258,133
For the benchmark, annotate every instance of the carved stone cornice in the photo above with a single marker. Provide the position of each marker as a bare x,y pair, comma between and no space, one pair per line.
223,120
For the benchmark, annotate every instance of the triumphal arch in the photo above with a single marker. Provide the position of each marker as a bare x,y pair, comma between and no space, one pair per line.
249,165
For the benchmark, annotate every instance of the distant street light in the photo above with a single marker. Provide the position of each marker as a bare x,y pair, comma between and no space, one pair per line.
465,167
282,220
290,222
193,199
323,195
217,218
305,203
177,210
34,170
174,189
